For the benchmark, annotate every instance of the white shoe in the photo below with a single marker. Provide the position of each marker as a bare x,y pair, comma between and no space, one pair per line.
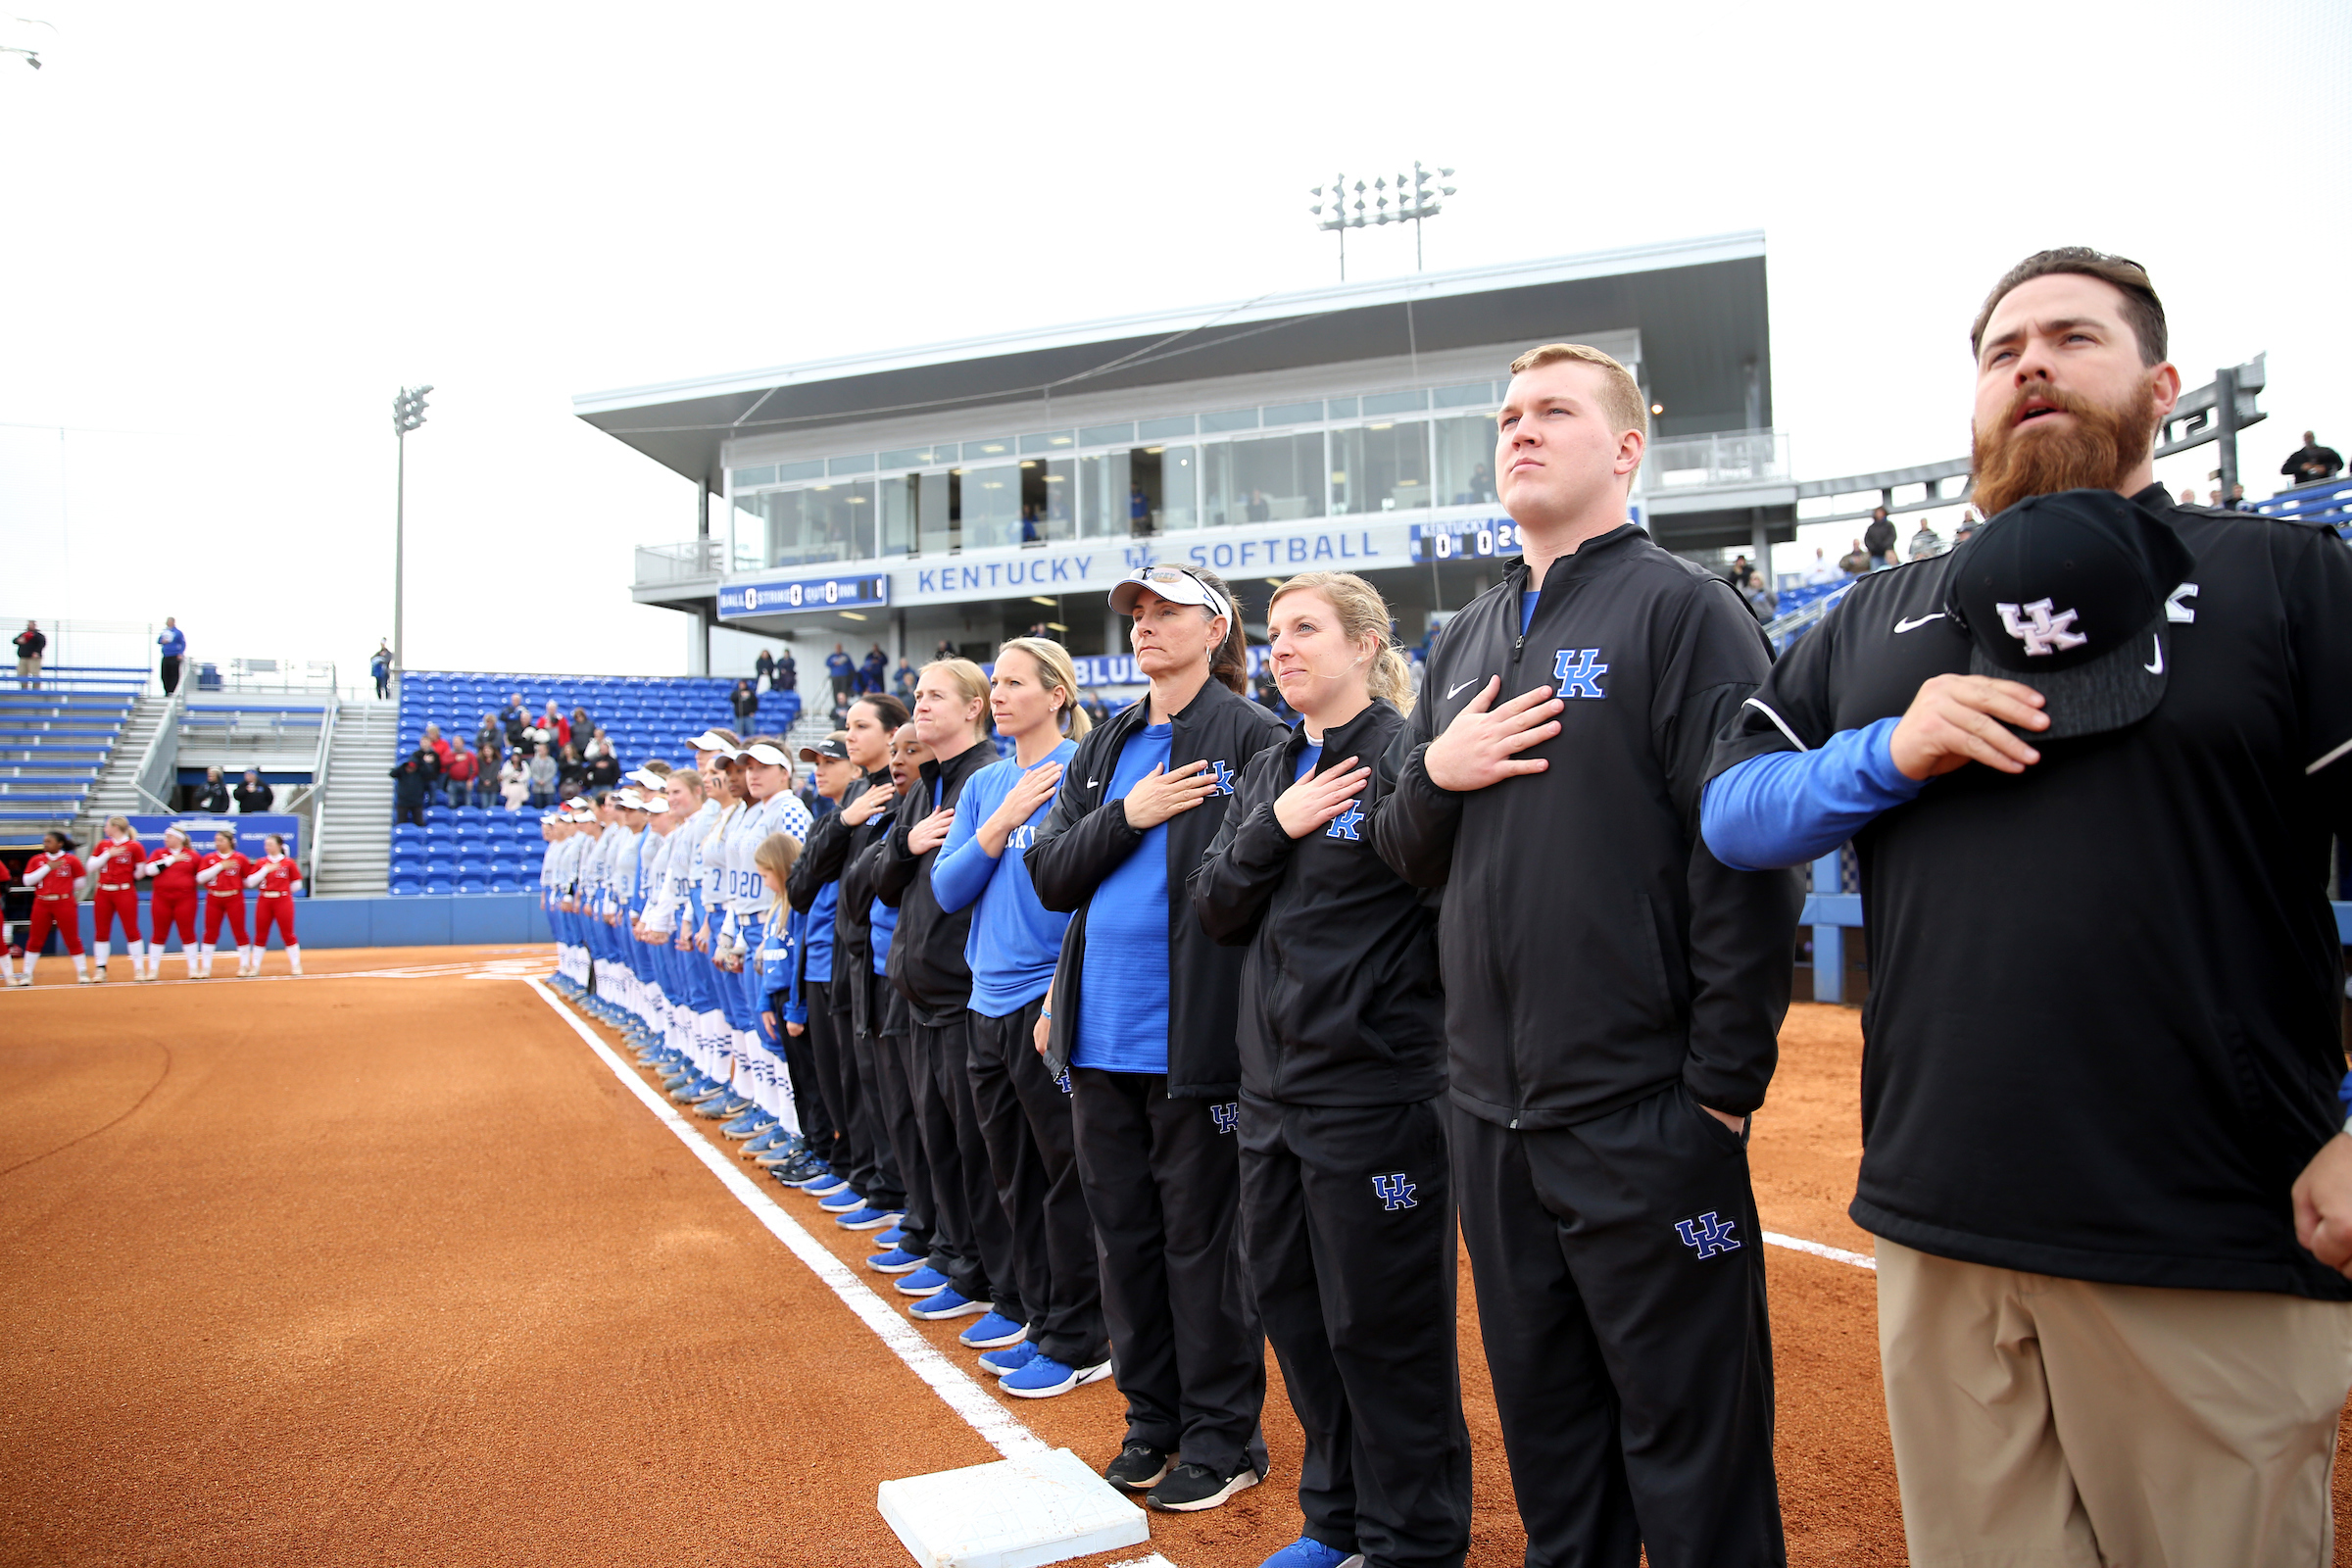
85,980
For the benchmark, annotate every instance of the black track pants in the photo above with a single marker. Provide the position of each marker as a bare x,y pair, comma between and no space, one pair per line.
1348,1223
1162,1179
896,1067
819,1124
1025,1116
825,1049
875,1083
964,1190
853,1113
1621,1296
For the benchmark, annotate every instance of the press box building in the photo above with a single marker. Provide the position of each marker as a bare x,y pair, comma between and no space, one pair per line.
968,491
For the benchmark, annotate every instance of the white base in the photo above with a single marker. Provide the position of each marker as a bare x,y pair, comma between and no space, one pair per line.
1147,1560
1014,1513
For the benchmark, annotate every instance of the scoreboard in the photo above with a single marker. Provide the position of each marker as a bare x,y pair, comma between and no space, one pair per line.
795,595
1476,538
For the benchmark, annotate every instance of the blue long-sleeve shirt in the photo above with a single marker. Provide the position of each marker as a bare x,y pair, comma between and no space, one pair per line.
1788,807
1014,940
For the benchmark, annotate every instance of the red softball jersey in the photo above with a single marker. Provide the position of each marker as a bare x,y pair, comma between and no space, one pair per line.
175,870
280,875
116,864
228,882
64,872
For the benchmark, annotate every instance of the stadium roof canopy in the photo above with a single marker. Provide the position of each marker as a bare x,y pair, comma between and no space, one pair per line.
1698,306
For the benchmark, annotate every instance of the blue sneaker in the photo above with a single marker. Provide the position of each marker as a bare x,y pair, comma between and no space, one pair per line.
1044,1377
750,1124
725,1105
824,1182
895,1261
891,1236
995,1332
1305,1553
867,1219
1011,1358
843,1199
922,1282
940,1306
773,1136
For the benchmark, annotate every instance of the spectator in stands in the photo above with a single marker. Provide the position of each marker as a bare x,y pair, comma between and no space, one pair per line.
871,673
456,779
1967,529
841,672
788,674
599,744
2313,464
412,776
543,774
1761,601
440,745
581,728
604,771
252,795
380,666
1855,561
1927,543
32,644
490,744
903,682
944,649
515,720
551,726
2237,499
1878,540
2188,495
214,796
745,702
764,670
571,771
175,645
1820,573
515,781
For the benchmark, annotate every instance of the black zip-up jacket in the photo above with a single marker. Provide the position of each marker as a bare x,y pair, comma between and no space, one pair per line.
1340,1003
871,993
926,952
832,845
1593,950
1083,840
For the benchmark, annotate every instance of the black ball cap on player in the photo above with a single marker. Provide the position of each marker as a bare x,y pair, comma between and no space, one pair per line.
2065,594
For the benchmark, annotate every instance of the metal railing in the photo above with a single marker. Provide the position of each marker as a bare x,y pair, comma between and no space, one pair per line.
1721,461
309,801
1783,629
122,645
688,560
161,762
261,675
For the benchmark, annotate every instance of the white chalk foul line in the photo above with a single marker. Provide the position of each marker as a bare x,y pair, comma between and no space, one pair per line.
1836,1254
949,1381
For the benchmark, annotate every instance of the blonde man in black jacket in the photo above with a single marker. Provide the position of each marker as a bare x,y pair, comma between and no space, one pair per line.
1348,1213
1141,1016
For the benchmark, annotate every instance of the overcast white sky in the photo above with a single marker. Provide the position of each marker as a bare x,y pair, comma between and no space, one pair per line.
232,233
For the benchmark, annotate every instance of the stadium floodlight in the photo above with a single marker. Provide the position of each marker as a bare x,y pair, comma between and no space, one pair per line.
408,414
32,57
1417,197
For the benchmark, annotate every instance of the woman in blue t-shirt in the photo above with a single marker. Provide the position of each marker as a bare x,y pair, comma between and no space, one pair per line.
1014,941
1142,1016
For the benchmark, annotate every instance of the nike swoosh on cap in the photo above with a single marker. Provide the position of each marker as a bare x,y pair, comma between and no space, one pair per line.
1902,626
2157,668
1458,691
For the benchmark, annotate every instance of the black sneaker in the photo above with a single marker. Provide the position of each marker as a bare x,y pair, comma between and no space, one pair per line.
1191,1488
1137,1466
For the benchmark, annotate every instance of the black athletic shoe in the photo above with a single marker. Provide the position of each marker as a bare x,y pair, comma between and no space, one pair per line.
1137,1466
1191,1488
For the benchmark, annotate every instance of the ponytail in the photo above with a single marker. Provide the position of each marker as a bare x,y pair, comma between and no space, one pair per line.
1229,660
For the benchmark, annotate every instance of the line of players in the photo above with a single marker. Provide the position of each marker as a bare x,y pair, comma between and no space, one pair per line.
179,875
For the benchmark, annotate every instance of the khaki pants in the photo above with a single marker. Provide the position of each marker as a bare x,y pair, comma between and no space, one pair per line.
2042,1421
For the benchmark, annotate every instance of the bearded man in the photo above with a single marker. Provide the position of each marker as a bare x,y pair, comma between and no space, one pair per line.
2091,765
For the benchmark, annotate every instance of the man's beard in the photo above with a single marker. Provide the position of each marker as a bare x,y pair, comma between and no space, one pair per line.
2096,450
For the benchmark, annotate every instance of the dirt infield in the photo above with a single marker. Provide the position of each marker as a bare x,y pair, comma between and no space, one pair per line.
387,1265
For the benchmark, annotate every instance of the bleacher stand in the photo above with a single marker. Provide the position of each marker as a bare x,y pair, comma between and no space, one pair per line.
2329,501
54,741
487,849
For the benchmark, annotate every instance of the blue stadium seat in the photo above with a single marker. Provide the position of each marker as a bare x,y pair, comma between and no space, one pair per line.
473,884
440,864
436,885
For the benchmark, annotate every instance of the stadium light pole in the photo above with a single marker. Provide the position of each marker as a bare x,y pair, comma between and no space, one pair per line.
1416,199
408,414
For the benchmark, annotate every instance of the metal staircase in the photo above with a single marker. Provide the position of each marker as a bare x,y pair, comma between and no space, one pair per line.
354,847
117,792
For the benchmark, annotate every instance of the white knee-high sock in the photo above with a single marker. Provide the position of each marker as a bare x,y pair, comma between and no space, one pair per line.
294,957
79,967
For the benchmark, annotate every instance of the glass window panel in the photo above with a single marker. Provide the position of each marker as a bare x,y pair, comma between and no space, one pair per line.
1050,499
1161,430
814,469
919,457
935,512
901,503
1379,468
1465,460
1274,479
746,478
1473,395
1340,407
1395,402
997,446
863,464
1169,480
1105,507
1049,441
807,527
1103,436
992,506
1294,412
1230,419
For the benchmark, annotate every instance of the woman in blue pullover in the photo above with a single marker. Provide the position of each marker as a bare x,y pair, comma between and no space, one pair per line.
1014,941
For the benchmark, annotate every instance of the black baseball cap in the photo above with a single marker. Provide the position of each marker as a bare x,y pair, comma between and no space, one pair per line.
2066,592
831,748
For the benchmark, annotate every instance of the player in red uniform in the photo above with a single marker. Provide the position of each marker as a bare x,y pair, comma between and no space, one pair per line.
221,874
114,891
173,902
51,875
278,876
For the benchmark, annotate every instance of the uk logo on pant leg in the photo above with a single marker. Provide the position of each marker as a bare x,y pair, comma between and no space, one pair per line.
1576,672
1227,1116
1707,1235
1062,1080
1394,1192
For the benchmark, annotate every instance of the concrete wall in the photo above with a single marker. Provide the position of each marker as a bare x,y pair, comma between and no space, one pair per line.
408,922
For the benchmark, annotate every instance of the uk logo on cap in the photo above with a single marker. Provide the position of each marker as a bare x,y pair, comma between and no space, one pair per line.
2044,632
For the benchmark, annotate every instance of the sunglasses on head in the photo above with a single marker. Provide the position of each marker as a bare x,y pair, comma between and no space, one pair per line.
1172,575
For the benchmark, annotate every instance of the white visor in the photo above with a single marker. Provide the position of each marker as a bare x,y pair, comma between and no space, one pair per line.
1171,583
709,742
650,780
765,753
